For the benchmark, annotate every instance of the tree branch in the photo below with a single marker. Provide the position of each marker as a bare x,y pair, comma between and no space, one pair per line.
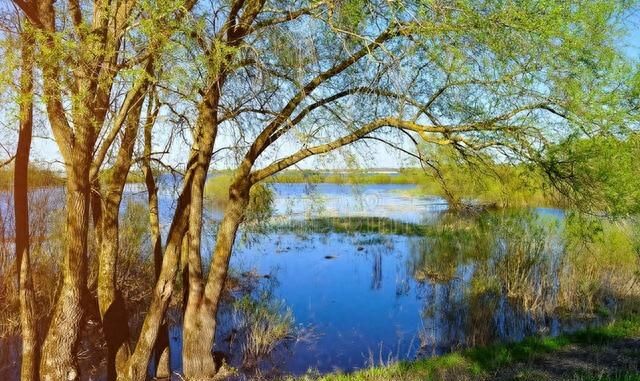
263,140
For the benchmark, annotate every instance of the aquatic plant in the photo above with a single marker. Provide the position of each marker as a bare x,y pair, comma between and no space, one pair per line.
264,324
523,261
542,266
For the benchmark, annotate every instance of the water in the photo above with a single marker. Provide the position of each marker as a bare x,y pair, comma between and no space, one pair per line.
358,294
367,298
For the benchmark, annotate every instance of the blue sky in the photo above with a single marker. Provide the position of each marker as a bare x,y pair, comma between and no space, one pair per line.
631,44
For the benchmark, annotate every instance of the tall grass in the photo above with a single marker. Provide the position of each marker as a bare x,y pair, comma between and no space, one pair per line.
599,266
38,178
541,266
402,176
264,324
45,256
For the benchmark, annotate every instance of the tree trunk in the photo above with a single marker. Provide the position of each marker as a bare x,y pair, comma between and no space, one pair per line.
203,320
59,348
139,361
115,319
28,323
112,308
197,360
161,350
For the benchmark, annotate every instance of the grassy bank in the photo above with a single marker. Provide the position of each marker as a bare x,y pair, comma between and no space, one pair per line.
486,363
38,178
402,176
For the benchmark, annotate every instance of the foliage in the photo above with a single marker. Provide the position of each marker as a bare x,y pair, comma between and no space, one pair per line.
465,181
599,174
496,80
260,202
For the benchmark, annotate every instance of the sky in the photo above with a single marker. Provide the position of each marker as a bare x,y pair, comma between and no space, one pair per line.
377,155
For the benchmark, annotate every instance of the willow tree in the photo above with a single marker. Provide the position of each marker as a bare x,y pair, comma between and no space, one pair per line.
83,58
495,77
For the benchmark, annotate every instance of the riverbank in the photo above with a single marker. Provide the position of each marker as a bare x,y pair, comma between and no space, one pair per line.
38,178
607,353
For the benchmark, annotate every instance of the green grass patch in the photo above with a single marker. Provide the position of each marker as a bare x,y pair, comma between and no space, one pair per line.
479,362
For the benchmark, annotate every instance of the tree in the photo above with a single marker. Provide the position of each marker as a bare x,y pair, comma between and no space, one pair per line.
28,321
81,61
599,174
491,76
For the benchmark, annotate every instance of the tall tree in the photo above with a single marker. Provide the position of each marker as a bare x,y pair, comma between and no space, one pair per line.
28,320
153,109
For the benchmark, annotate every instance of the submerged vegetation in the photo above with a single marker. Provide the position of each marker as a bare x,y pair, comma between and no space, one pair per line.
351,225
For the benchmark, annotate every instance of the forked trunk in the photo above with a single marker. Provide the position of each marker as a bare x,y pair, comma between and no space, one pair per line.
112,308
28,323
203,321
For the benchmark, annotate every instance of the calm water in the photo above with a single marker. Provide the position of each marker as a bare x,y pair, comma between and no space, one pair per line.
363,298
